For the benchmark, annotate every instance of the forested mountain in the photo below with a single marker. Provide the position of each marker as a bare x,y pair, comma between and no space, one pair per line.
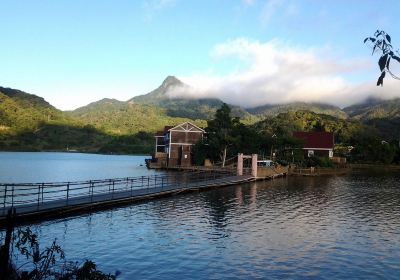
20,110
374,108
320,108
29,123
184,107
122,118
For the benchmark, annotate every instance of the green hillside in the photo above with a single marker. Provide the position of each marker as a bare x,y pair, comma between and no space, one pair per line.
375,109
384,115
122,118
20,110
320,108
287,123
29,123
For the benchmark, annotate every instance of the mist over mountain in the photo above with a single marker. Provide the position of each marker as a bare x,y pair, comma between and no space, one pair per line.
181,105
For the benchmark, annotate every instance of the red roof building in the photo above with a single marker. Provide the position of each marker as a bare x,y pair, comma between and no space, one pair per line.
317,143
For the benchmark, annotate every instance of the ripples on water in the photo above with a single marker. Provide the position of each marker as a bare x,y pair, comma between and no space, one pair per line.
325,228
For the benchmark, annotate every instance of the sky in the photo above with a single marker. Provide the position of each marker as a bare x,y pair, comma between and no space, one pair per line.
246,52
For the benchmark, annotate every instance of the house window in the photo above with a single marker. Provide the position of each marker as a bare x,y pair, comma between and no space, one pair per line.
310,153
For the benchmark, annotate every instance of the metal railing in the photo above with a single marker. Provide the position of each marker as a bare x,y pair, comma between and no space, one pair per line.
34,196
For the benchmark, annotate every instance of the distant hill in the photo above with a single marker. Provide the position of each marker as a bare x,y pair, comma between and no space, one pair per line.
121,118
374,108
20,110
320,108
384,115
287,123
28,122
201,108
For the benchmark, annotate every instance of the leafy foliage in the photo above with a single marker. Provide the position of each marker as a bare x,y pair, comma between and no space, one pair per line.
285,124
49,263
383,42
225,137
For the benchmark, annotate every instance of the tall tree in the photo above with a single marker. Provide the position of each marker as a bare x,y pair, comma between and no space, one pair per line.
383,42
220,132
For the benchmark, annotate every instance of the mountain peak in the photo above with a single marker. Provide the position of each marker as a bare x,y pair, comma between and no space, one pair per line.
171,81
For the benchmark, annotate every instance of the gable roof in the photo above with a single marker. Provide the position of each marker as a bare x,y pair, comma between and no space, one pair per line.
186,126
316,140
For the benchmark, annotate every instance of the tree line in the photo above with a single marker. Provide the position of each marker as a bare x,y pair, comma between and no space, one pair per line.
226,136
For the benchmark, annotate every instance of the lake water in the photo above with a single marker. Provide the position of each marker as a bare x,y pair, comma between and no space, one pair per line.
320,228
63,167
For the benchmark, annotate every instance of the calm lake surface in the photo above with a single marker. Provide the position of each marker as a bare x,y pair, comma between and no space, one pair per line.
343,227
63,167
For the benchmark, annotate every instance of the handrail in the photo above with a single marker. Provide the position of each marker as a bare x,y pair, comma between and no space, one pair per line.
36,195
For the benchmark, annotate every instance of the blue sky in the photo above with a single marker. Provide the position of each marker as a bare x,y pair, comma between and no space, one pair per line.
249,52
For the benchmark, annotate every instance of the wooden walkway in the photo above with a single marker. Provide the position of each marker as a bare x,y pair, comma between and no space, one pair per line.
50,200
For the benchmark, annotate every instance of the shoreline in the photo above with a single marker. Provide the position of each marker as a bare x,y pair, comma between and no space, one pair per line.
374,166
72,152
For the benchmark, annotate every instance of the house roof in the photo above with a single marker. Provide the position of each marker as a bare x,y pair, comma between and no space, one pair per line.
186,126
316,140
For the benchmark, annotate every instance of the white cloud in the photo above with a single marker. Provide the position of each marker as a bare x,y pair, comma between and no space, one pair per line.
275,73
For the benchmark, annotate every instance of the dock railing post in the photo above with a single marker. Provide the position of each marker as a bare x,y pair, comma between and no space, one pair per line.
67,192
12,197
38,199
91,191
90,183
42,192
113,186
5,198
131,187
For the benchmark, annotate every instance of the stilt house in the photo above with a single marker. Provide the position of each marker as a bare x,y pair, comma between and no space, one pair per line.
173,145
